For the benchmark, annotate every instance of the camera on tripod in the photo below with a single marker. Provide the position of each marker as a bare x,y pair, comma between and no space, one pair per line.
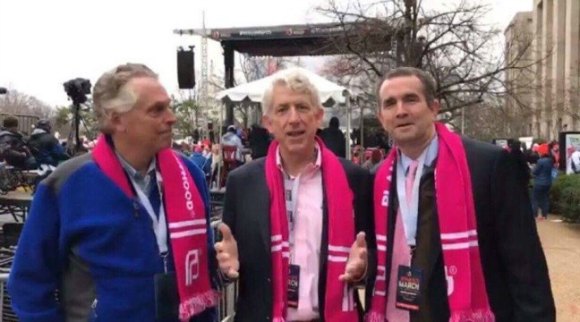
78,89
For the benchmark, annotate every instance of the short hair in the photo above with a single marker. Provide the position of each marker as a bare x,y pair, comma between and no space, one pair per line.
10,122
334,123
43,124
297,81
429,86
111,95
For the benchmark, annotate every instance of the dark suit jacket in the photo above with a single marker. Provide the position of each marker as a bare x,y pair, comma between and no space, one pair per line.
247,213
513,262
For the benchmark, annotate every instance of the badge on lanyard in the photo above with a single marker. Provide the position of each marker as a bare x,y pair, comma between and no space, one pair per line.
409,281
166,296
293,285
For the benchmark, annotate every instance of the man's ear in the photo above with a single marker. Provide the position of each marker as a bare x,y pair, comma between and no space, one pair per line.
435,106
118,122
319,116
267,122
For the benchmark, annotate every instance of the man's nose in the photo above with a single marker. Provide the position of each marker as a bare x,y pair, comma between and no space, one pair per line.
400,110
171,119
293,115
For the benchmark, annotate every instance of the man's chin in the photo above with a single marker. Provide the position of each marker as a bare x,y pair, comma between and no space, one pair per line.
402,138
296,147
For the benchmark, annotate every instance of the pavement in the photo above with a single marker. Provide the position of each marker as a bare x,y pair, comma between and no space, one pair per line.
561,242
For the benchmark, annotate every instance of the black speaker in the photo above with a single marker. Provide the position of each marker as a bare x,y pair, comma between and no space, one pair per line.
185,69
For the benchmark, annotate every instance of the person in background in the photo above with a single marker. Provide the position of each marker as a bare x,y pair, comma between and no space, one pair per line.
333,137
45,146
259,141
542,182
203,162
374,160
574,160
230,138
554,148
13,148
216,163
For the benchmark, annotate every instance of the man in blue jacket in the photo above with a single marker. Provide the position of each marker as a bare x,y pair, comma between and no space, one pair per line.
122,233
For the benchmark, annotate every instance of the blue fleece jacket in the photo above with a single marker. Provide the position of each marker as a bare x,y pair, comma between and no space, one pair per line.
88,251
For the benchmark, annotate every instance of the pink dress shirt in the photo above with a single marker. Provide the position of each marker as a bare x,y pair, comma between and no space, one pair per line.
304,204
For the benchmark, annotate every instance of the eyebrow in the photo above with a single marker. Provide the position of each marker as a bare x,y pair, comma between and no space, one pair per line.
405,96
159,103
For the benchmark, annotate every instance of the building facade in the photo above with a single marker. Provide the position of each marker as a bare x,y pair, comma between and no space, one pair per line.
556,47
519,77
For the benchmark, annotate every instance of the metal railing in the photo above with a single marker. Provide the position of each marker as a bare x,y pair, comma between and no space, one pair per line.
6,313
229,292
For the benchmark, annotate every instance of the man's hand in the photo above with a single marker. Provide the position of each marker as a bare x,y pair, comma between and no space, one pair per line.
227,253
356,266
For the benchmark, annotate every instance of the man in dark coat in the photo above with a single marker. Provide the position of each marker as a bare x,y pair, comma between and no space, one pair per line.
468,235
334,138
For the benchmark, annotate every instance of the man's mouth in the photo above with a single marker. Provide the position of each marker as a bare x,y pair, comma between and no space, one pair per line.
296,133
404,125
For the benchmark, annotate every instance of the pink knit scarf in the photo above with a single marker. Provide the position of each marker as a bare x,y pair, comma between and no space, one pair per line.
186,221
339,302
465,282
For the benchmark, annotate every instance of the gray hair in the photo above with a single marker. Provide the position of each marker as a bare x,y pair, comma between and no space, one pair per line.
295,80
111,94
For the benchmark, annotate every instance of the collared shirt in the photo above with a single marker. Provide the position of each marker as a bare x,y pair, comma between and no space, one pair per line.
304,197
144,182
429,157
410,220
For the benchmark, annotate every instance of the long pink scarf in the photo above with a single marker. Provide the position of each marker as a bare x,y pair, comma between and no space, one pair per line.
339,302
465,282
186,221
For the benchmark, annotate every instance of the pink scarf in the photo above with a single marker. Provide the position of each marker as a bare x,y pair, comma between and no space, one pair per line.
466,286
339,302
186,221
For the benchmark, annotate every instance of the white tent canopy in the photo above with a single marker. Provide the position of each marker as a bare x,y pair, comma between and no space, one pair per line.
254,91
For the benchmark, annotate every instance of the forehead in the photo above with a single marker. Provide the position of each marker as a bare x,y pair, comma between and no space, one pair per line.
400,86
282,94
148,90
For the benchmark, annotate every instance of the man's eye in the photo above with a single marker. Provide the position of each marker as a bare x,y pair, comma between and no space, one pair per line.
388,105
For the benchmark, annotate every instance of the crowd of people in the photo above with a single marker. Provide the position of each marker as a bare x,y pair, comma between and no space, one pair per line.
440,230
41,151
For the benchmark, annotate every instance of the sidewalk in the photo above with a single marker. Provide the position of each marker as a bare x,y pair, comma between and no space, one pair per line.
561,244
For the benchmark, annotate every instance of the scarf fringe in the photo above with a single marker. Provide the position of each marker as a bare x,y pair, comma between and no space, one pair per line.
197,304
375,317
483,315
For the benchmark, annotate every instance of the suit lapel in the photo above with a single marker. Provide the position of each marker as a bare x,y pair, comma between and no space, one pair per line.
262,208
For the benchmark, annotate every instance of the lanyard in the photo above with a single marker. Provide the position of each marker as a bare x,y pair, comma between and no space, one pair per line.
409,212
159,224
291,186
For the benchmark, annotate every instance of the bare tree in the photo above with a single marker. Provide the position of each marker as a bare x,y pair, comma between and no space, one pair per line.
17,103
452,43
257,67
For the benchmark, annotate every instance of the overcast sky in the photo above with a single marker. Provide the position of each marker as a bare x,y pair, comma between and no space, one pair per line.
44,43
